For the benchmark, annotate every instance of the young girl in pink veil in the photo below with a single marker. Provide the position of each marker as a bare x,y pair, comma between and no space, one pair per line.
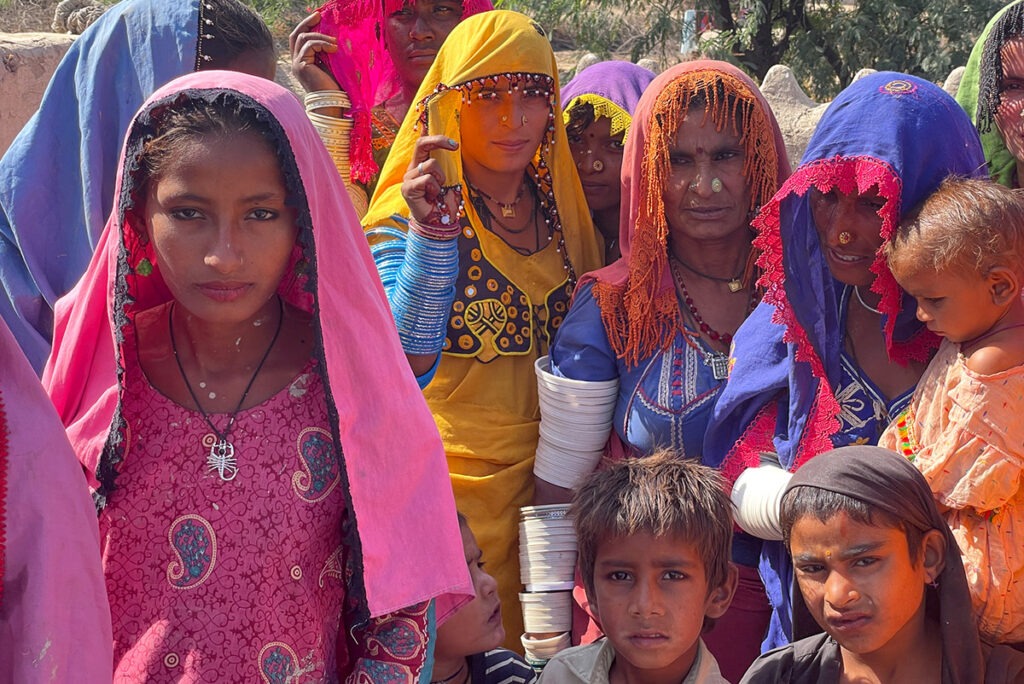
244,415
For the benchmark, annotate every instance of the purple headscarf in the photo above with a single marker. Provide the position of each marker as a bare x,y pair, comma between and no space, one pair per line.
613,89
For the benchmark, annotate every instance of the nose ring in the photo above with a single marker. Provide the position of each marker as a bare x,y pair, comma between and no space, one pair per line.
716,185
695,182
598,165
845,238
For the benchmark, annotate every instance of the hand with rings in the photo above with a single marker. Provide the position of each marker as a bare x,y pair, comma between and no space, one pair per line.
423,181
304,44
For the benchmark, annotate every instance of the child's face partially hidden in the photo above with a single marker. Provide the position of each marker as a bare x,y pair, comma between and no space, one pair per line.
220,227
651,596
959,305
476,627
861,585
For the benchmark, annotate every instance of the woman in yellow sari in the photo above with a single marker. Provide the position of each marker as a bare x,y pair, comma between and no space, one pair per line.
480,230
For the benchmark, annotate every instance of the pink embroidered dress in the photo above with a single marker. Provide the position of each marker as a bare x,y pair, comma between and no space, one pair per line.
964,432
185,546
315,562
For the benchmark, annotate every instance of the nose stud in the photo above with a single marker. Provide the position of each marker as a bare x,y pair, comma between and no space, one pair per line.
598,165
504,118
716,184
845,238
524,119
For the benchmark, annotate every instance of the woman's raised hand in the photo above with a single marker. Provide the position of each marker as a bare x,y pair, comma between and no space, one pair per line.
304,44
423,181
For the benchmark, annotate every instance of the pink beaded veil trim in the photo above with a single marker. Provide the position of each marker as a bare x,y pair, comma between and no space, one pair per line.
846,174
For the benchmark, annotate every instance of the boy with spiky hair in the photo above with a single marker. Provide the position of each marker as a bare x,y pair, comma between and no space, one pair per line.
654,536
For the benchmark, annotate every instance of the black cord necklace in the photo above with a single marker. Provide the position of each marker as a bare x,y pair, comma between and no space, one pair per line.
222,452
448,679
488,218
485,211
508,209
735,283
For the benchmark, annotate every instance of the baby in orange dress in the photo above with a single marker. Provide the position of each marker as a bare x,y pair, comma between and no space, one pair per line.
962,256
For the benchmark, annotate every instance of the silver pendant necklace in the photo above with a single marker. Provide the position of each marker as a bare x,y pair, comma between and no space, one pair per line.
222,452
718,363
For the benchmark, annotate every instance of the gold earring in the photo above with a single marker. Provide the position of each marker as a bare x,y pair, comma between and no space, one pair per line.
845,238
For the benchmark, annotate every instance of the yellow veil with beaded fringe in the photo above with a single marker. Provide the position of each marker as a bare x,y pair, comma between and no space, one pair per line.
486,409
489,44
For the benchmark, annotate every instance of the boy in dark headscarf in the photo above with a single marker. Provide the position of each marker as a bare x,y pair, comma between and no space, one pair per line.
879,571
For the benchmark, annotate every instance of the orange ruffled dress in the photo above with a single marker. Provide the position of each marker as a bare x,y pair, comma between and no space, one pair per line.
964,431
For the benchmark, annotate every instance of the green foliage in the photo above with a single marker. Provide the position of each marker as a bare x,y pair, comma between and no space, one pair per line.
598,27
927,38
825,41
282,15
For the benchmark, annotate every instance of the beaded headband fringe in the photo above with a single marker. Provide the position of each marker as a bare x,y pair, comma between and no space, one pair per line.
603,107
204,34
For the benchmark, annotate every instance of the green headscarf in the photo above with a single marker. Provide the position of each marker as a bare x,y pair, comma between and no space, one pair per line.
1002,165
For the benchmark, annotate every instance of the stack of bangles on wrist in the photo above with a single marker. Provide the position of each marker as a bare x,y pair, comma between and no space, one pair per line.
547,566
435,232
421,273
575,423
334,131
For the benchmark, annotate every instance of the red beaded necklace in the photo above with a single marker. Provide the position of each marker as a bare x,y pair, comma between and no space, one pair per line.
705,329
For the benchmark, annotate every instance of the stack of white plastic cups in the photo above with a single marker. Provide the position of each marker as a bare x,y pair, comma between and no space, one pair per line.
576,419
547,566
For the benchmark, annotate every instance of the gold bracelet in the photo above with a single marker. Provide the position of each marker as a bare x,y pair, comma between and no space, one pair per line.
319,99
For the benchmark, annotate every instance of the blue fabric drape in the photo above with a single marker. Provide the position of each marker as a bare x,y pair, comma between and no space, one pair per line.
57,178
887,124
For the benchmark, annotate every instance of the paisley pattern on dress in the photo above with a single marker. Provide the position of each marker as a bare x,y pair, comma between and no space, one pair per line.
333,567
278,663
321,471
398,639
203,574
376,672
194,542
